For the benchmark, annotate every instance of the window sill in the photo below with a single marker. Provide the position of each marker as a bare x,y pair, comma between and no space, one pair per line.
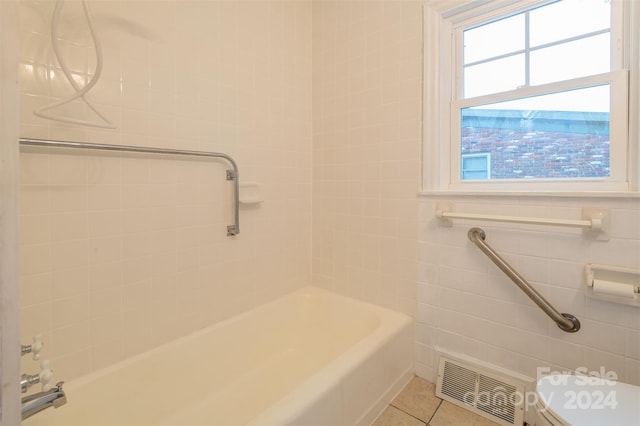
530,194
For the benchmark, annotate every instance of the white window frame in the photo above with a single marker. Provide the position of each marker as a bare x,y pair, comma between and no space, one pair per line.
441,147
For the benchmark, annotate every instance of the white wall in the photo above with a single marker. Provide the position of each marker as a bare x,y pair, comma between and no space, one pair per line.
367,145
366,149
120,253
87,218
467,305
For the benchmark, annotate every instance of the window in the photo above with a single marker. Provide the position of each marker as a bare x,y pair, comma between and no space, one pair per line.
532,95
476,166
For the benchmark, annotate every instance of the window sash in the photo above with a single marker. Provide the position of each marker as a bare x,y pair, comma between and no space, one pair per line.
529,49
614,77
617,29
441,87
618,83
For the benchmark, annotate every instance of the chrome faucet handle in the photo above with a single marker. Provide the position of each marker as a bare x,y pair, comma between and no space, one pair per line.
35,348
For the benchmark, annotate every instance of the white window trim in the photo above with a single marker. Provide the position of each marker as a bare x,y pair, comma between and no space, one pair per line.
439,19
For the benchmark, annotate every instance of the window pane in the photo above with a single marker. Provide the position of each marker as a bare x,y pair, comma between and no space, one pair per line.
475,166
474,175
494,76
565,61
477,163
568,18
494,39
562,135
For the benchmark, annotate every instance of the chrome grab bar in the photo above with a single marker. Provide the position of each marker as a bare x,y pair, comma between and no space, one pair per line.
231,174
565,322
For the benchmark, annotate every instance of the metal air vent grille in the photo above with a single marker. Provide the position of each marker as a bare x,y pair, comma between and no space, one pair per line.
480,391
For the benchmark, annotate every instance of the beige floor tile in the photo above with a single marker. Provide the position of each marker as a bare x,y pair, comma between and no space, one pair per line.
451,415
391,416
418,399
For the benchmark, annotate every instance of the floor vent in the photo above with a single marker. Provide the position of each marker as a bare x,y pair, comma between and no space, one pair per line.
481,391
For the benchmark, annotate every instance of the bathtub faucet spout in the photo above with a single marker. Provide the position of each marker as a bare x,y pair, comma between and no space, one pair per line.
33,404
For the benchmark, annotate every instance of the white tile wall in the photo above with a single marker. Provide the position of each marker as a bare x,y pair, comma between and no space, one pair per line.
120,253
473,309
366,173
366,149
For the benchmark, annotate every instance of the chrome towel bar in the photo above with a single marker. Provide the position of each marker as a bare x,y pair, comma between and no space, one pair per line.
232,174
565,322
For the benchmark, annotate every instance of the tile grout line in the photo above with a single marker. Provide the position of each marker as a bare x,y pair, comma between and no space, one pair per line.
435,411
417,418
408,414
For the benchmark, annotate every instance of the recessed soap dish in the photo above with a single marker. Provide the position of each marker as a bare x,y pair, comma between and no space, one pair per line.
251,193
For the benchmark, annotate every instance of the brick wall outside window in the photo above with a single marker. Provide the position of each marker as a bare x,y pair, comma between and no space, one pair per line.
554,145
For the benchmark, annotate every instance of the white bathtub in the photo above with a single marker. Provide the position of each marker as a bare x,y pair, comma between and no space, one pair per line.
312,357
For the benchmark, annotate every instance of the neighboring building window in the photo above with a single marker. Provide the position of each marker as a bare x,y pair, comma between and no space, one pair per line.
540,89
476,166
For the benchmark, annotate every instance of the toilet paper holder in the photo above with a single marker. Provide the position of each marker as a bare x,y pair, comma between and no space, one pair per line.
613,283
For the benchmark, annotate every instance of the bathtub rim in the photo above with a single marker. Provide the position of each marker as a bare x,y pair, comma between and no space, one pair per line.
82,380
301,397
292,405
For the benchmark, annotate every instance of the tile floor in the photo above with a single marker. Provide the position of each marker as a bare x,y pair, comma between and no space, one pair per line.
417,405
